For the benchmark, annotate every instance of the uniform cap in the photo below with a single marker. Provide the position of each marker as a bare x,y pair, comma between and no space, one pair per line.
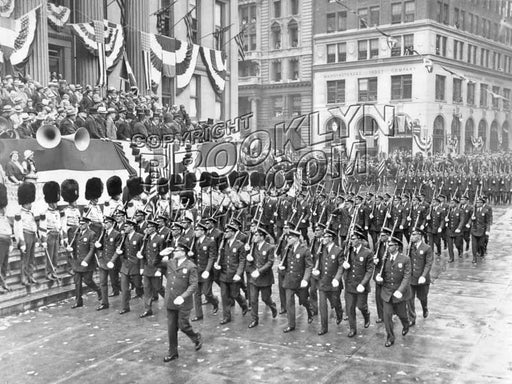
330,232
396,240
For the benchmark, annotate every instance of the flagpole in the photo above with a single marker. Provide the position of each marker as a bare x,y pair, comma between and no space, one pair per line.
186,14
227,42
224,29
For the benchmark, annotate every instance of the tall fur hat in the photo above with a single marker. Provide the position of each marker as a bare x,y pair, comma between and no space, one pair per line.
26,193
176,183
244,178
51,192
187,199
3,196
69,190
93,188
254,179
190,181
163,186
232,177
134,185
205,180
114,186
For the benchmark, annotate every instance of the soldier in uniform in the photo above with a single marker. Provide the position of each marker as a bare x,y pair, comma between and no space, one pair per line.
50,228
214,233
316,250
454,229
466,211
182,277
70,219
382,247
259,265
358,273
85,262
107,260
151,260
480,227
188,230
436,223
231,264
114,189
93,191
162,229
297,265
131,266
5,240
328,276
396,215
377,216
395,280
134,190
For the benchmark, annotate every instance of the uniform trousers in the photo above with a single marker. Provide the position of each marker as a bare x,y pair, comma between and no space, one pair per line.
179,319
126,280
266,297
435,239
458,242
334,301
313,296
27,258
230,292
104,273
420,291
374,235
353,300
389,309
152,287
85,277
52,248
282,291
379,301
477,245
302,294
5,243
466,234
115,281
204,287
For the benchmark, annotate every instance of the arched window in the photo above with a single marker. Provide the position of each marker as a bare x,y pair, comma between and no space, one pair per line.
276,36
482,130
469,131
504,136
438,135
493,139
293,33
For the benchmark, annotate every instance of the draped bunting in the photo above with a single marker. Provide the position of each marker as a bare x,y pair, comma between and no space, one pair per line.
215,62
114,40
423,145
25,32
58,16
186,60
163,56
6,8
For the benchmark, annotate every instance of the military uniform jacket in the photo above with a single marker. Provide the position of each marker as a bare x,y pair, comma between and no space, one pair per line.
240,236
330,267
466,213
164,233
112,206
436,219
418,215
406,216
232,260
152,248
109,244
188,237
216,235
205,253
284,210
263,259
380,257
481,222
303,212
363,219
84,250
396,276
344,222
379,214
395,214
269,210
421,262
360,271
298,266
454,220
131,264
181,281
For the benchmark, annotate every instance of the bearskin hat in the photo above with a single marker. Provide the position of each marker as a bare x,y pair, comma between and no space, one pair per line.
51,192
232,177
255,179
244,178
26,193
93,188
114,186
3,196
262,179
223,183
215,179
148,183
206,180
163,186
69,190
134,185
190,181
176,183
187,199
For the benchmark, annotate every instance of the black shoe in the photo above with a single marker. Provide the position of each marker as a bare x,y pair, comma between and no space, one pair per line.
274,312
288,329
101,307
114,294
322,332
451,260
352,333
197,318
474,261
367,321
32,280
215,309
77,305
225,321
253,324
146,314
99,296
412,323
282,311
339,320
378,321
389,343
51,277
425,313
198,342
405,331
170,358
123,311
245,310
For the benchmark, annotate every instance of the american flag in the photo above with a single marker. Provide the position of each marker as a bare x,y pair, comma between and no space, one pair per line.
239,40
102,58
381,167
349,170
189,21
145,42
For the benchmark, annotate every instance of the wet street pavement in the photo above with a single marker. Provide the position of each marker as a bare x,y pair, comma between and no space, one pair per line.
466,339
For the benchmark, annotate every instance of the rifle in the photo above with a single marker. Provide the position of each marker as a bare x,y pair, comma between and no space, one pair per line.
281,266
378,278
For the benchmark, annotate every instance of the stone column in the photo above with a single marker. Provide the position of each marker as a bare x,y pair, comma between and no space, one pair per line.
86,63
38,65
137,19
254,110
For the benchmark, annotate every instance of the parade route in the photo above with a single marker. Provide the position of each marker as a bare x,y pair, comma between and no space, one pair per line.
466,339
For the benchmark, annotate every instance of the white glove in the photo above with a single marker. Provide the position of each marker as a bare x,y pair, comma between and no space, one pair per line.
360,288
371,215
335,283
401,226
10,249
457,230
249,257
468,226
281,267
375,261
44,245
429,217
165,259
84,264
216,266
487,233
179,300
205,275
346,265
139,255
422,227
439,230
97,244
190,253
141,271
409,218
119,251
422,280
398,294
303,283
158,273
316,272
237,278
255,274
69,248
110,265
23,248
247,247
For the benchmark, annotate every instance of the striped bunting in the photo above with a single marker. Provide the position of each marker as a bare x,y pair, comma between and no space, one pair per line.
26,27
215,62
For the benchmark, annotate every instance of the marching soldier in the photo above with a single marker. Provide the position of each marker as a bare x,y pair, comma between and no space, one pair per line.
162,229
297,265
50,227
380,253
93,191
134,191
466,211
454,227
328,275
261,276
396,215
114,189
107,260
188,229
377,216
421,262
316,250
70,220
436,223
358,273
212,232
480,227
5,239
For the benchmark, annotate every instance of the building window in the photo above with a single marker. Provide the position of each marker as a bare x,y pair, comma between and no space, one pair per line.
219,24
362,15
401,87
336,92
462,20
276,36
342,52
457,90
248,68
195,25
409,11
441,45
342,21
397,49
471,54
294,69
506,100
331,53
408,44
295,103
446,14
195,91
277,106
396,13
293,34
471,93
362,51
367,89
374,48
374,16
483,95
440,87
277,8
458,47
276,71
337,53
495,100
294,7
331,22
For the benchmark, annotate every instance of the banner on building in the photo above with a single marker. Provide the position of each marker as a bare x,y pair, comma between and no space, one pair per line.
25,30
215,62
58,16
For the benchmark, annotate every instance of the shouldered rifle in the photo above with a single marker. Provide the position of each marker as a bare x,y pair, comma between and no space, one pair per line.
378,278
282,266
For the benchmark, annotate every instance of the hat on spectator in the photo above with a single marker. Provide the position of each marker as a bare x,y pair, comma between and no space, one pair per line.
111,110
24,116
88,88
78,87
102,109
70,111
27,153
7,108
